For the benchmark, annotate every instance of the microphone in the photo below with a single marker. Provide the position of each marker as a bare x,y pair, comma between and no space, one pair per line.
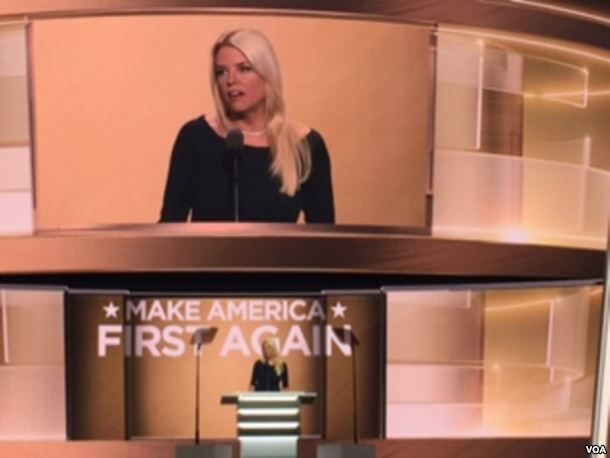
346,336
235,141
203,336
235,146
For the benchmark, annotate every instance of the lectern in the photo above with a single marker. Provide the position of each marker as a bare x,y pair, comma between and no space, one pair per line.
269,423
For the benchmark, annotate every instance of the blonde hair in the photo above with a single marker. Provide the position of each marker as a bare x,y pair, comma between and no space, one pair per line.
291,155
278,364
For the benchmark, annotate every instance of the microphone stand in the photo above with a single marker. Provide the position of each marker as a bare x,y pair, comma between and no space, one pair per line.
197,377
235,146
355,391
200,337
235,186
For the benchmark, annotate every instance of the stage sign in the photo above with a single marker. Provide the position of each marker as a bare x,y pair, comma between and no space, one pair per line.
132,368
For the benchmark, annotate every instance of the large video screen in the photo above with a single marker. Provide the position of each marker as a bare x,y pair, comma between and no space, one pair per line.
112,92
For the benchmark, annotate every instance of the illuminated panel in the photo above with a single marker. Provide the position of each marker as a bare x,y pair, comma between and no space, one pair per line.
573,12
532,167
458,76
557,81
262,412
491,363
515,199
32,371
475,194
542,44
16,206
540,351
434,383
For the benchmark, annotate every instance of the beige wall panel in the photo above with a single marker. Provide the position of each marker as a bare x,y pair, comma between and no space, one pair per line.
13,60
111,94
548,124
453,131
539,377
35,323
32,402
16,212
14,117
32,373
456,91
434,349
433,327
15,169
517,333
583,388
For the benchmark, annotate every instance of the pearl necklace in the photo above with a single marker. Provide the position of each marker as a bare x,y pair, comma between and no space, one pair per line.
255,133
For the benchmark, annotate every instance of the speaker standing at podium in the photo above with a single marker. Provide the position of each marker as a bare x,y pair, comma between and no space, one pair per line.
275,170
269,373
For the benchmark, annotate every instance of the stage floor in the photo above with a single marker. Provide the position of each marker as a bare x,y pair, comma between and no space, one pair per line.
425,448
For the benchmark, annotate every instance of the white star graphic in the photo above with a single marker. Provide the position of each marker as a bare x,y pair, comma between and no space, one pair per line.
338,310
111,310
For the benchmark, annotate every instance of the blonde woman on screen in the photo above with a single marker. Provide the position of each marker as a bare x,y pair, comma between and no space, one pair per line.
269,373
283,168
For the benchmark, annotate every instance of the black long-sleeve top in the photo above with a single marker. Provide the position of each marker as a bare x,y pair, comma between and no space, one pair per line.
200,182
265,378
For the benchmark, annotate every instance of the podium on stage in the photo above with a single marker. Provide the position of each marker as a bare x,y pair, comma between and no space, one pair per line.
269,423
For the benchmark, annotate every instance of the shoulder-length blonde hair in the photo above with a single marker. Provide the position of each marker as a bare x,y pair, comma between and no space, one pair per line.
278,364
291,155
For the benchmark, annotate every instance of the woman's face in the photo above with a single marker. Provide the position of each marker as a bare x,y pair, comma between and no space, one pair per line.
243,91
268,351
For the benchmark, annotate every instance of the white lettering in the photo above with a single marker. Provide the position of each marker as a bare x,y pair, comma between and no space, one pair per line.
317,338
136,310
173,310
596,449
104,340
150,343
235,342
192,310
156,311
316,311
256,311
239,309
274,309
293,313
169,336
256,339
331,338
295,340
216,311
